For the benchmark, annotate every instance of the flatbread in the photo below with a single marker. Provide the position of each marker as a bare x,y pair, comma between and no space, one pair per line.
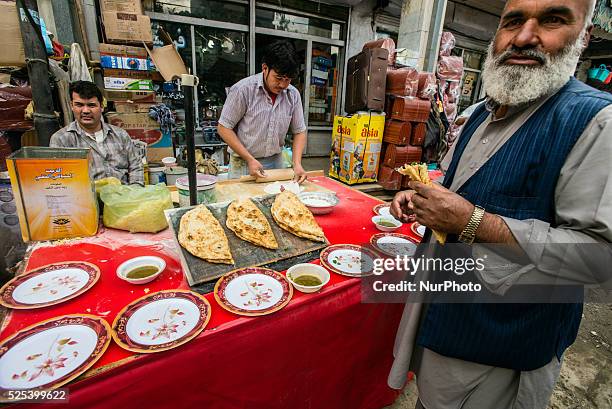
248,222
418,173
202,235
293,216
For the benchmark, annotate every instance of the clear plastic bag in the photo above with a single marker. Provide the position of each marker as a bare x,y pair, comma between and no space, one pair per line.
135,208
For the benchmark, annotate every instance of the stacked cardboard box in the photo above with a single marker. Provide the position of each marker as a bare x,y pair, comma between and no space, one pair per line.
356,143
357,138
129,73
125,22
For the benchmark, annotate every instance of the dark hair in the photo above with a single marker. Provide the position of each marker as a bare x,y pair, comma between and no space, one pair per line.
280,56
86,89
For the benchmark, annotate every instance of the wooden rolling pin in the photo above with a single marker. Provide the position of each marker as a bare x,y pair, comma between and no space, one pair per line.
272,175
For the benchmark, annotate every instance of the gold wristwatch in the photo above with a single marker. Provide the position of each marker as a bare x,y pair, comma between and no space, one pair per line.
469,232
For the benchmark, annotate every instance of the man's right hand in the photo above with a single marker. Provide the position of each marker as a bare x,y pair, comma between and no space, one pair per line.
399,206
255,168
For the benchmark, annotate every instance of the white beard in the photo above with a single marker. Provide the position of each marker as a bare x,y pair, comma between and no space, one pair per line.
515,84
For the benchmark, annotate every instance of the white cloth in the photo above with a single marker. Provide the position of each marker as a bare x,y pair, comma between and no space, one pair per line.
77,68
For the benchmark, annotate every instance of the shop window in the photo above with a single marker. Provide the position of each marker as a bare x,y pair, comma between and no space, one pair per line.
234,11
221,61
323,85
299,24
338,12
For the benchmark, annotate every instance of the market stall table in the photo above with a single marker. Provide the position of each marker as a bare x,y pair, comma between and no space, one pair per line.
323,350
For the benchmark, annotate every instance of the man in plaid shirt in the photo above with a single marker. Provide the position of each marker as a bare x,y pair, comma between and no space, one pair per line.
114,153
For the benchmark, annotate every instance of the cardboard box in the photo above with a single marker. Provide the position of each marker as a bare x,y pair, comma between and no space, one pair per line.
126,63
128,83
141,127
123,50
157,154
54,193
132,108
125,96
139,75
122,6
166,59
11,46
356,145
127,28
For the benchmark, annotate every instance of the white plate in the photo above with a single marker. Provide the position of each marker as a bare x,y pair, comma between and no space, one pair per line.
51,286
348,259
162,321
52,352
254,292
275,188
385,211
395,245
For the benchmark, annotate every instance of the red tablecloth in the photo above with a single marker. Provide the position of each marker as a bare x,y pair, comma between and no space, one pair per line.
324,350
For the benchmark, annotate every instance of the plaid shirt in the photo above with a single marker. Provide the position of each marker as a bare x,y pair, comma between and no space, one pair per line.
116,156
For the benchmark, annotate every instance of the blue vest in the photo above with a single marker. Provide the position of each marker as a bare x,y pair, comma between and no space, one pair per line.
519,182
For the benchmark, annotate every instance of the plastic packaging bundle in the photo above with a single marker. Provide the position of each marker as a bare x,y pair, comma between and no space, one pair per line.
453,91
428,85
451,112
450,68
447,43
386,43
135,208
403,82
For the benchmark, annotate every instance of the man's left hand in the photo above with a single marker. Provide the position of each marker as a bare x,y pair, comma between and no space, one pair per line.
439,208
300,173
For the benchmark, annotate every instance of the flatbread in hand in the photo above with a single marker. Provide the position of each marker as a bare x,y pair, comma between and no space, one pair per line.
292,215
202,235
248,222
418,173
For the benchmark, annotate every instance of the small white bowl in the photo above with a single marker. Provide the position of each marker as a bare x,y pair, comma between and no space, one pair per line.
307,269
396,223
142,261
319,202
169,161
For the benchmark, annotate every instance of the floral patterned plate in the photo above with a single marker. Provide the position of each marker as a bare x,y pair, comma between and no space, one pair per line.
394,244
51,353
382,209
49,285
161,321
253,291
418,229
347,259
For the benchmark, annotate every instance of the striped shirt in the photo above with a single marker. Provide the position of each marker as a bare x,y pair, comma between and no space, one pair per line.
261,125
116,156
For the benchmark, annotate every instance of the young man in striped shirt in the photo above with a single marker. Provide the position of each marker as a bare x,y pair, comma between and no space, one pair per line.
258,113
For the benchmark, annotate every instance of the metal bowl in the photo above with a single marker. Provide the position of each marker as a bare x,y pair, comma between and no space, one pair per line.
319,202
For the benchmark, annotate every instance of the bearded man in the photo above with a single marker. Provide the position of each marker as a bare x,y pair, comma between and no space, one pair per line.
531,169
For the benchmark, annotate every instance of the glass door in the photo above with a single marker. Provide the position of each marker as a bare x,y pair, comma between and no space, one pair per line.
323,84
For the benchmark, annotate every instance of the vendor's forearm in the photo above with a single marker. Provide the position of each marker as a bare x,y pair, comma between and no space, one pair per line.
231,139
299,143
492,229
